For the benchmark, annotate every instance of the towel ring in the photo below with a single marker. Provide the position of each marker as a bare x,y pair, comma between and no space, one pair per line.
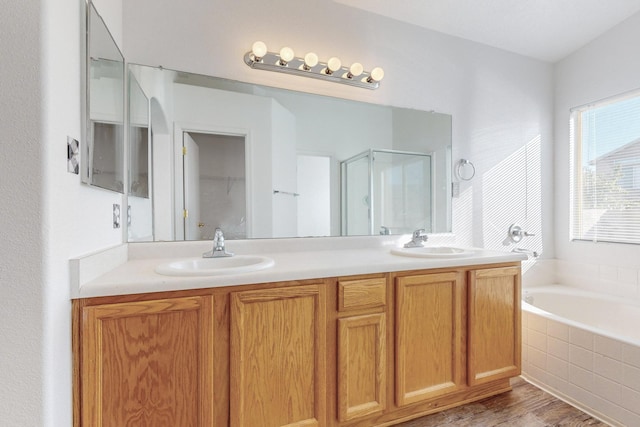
465,170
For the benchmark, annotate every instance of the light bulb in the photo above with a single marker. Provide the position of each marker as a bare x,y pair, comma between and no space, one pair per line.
286,55
259,49
355,70
377,74
310,60
333,65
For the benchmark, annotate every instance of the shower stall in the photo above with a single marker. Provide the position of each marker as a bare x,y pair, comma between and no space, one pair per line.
387,192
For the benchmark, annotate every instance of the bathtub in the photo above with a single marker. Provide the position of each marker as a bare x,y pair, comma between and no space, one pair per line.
584,348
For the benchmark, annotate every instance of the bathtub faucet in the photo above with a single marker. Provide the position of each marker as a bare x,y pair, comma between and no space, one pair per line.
534,254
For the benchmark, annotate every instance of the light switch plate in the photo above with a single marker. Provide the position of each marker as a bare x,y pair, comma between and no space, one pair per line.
73,150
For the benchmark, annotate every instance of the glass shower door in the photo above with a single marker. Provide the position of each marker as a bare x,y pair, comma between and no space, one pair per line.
356,199
387,192
402,191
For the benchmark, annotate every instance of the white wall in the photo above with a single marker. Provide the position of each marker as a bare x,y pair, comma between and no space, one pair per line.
47,215
283,172
22,269
314,200
607,66
77,218
352,130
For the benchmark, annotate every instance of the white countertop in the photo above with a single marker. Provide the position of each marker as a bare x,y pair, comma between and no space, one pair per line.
130,268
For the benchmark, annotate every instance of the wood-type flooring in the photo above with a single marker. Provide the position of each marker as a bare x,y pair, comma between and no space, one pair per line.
525,406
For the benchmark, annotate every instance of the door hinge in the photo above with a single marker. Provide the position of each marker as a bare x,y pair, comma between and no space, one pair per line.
185,213
184,151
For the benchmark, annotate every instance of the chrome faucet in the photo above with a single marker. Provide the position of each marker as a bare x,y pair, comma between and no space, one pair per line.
417,239
218,250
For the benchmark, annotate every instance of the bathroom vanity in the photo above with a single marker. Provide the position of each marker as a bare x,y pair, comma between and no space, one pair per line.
374,340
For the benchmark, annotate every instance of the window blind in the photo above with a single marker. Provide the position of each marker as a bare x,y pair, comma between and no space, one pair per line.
605,146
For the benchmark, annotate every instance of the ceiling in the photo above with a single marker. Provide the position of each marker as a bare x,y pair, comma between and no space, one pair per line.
547,30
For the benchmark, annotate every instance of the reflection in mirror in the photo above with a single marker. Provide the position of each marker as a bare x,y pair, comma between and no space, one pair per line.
139,158
265,162
103,151
139,199
387,191
214,185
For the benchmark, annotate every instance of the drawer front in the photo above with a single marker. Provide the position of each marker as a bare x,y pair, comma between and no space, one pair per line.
361,293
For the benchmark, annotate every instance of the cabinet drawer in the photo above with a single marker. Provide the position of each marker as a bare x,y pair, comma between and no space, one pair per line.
361,293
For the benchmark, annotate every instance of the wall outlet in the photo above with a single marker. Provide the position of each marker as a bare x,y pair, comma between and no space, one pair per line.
116,215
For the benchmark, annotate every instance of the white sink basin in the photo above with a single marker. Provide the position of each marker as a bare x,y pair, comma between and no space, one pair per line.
433,252
215,266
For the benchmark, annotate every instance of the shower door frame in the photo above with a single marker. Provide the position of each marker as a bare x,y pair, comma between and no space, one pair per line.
370,154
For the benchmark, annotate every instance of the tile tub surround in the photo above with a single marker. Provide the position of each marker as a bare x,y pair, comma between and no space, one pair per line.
597,374
620,281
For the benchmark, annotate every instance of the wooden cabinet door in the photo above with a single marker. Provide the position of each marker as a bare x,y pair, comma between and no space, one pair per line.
429,336
361,366
147,363
278,357
494,324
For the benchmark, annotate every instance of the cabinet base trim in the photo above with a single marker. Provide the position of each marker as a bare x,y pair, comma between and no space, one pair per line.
437,405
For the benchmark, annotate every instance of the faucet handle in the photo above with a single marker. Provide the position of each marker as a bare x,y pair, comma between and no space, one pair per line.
420,234
516,233
218,239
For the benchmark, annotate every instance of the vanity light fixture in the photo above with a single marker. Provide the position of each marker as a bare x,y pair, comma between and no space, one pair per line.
285,61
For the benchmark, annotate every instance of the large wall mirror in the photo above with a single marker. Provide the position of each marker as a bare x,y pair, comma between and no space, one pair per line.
262,162
103,155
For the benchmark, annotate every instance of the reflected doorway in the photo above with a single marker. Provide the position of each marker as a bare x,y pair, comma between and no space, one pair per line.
214,184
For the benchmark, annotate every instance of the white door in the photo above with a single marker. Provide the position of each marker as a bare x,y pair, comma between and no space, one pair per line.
191,164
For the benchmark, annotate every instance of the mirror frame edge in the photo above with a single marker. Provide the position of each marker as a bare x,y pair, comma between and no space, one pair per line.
86,176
